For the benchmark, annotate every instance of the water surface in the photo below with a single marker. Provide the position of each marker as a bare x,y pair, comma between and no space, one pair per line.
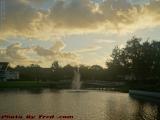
85,105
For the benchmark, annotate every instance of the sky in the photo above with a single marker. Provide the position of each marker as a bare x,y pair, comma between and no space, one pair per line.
73,31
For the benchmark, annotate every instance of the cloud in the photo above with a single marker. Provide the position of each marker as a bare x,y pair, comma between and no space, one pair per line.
76,16
92,48
103,41
19,15
42,51
22,19
16,54
51,19
55,52
58,46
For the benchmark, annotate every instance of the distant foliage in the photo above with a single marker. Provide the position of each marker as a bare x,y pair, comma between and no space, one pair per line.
137,60
56,72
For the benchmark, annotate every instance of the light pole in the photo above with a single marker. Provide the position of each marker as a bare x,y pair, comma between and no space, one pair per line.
2,13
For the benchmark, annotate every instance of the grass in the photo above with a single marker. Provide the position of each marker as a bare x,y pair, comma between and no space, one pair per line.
67,85
27,84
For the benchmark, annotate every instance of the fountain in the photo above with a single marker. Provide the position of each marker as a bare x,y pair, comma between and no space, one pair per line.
76,83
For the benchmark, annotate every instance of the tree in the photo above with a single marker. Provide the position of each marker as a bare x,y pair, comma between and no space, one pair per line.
97,72
85,72
117,66
57,71
55,66
68,71
139,59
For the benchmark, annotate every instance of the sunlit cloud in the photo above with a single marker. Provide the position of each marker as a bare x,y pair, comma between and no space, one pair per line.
55,19
17,54
89,49
104,41
76,16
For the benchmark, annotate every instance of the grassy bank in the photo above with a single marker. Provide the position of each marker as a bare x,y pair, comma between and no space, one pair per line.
67,85
55,85
31,84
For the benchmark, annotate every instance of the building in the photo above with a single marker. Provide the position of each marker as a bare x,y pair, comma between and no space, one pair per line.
128,77
5,74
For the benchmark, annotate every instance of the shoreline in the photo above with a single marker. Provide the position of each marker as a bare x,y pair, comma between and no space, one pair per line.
67,85
149,96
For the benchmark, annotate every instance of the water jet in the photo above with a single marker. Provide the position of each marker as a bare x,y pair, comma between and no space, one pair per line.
76,83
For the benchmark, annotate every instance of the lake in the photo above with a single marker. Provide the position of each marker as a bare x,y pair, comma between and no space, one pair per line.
81,105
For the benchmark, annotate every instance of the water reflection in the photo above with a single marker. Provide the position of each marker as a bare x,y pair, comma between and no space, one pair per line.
90,105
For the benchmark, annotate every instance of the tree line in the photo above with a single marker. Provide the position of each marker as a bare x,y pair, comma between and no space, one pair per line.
56,72
138,60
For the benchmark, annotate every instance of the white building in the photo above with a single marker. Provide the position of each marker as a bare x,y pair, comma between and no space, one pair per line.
5,74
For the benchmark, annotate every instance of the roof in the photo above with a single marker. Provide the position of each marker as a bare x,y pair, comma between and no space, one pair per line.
3,66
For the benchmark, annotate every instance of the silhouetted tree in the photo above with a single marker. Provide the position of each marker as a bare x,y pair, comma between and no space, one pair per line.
138,60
